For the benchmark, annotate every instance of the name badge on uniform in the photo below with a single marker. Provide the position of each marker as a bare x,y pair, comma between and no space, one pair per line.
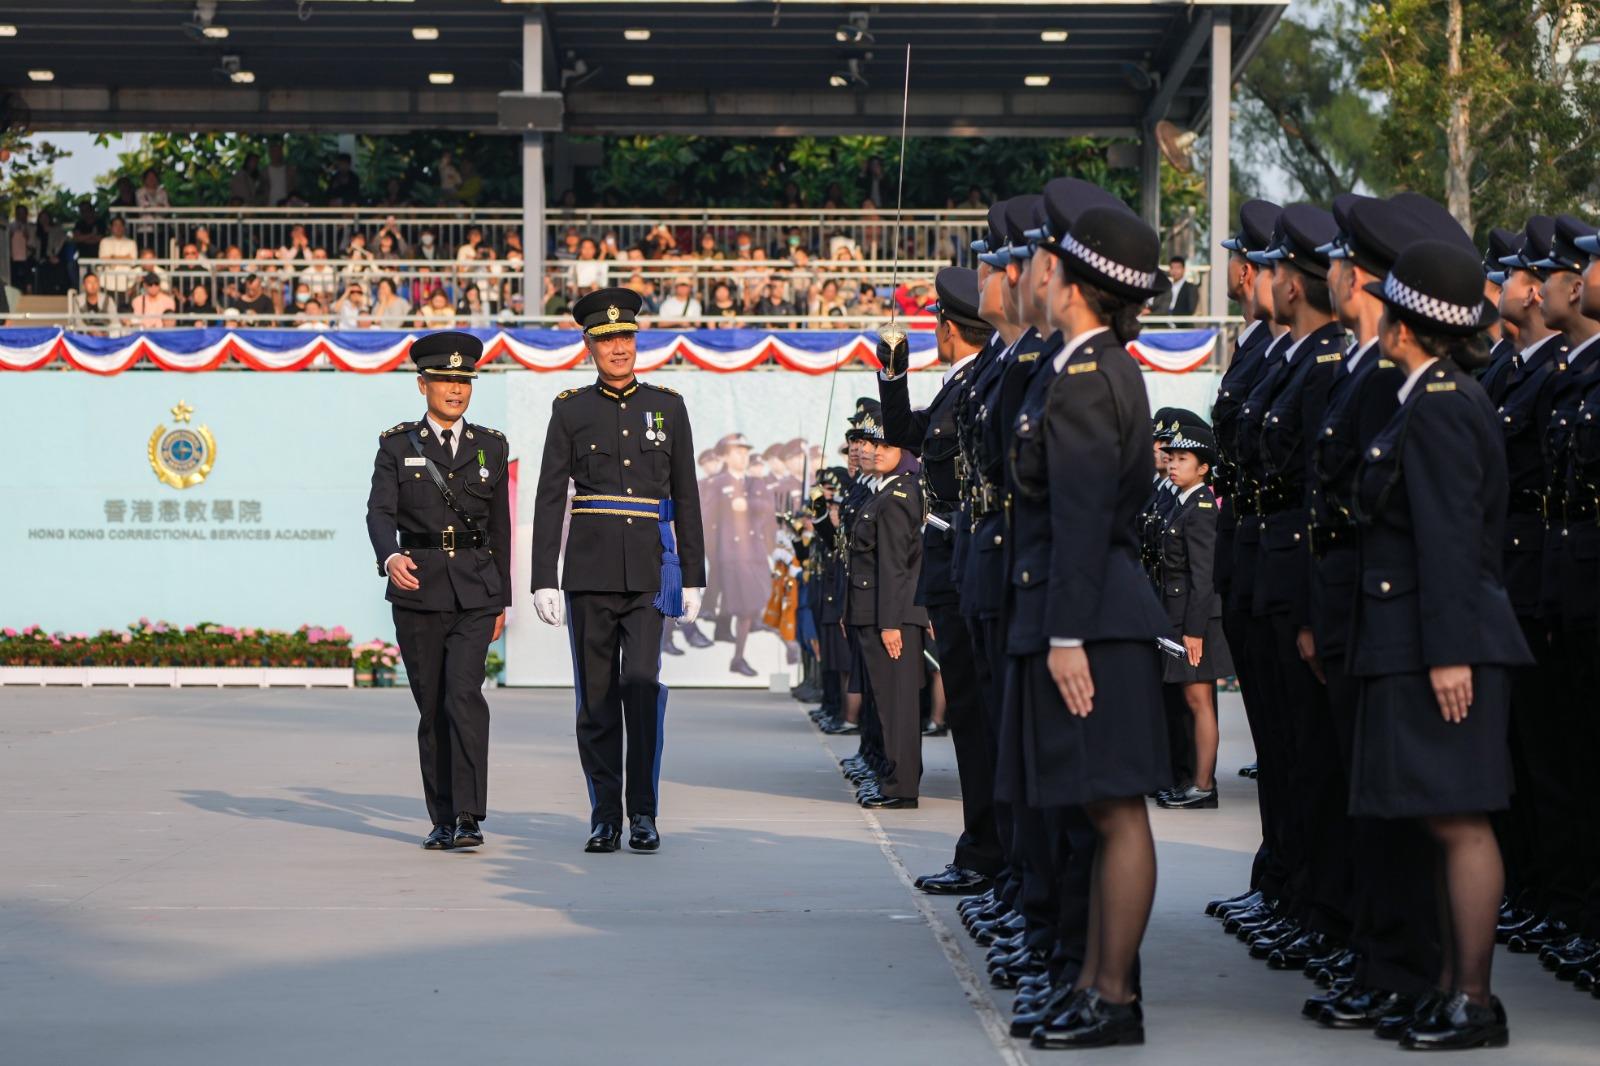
416,460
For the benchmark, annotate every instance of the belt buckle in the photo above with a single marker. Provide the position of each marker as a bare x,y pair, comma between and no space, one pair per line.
448,537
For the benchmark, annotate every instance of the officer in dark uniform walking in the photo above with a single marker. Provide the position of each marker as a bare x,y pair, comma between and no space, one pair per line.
636,558
932,435
439,517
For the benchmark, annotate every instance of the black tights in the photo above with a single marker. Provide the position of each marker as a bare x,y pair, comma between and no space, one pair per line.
1122,889
1468,884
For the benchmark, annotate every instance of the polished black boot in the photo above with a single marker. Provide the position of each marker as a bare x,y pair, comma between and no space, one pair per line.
1364,1008
1245,900
605,838
1460,1023
642,835
441,839
1090,1022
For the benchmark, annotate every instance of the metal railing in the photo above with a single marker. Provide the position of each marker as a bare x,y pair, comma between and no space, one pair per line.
942,234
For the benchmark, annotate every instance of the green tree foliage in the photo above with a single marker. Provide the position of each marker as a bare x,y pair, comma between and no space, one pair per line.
1301,111
1526,96
27,174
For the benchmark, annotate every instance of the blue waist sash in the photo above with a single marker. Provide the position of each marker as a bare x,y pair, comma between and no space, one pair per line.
669,601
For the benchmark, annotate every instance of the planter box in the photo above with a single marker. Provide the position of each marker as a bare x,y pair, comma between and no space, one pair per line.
180,676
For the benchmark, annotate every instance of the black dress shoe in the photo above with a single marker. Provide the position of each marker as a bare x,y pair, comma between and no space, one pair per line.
955,881
1017,967
739,666
1251,920
1569,967
880,802
1549,953
1268,940
1246,899
1549,931
642,835
441,839
1363,1008
1255,902
1314,1004
468,835
1460,1023
1040,1012
1394,1026
1294,955
1330,958
1341,970
1092,1022
606,837
696,639
1193,798
1247,770
842,729
1517,922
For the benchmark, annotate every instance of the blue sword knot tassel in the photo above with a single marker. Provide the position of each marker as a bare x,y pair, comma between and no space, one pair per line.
669,601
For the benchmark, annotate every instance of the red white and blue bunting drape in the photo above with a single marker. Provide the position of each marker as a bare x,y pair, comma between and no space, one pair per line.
379,351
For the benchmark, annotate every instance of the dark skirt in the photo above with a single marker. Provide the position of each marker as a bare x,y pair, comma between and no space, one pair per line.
834,647
1216,661
1119,750
1409,762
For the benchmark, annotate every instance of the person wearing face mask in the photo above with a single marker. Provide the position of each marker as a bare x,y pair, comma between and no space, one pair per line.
426,245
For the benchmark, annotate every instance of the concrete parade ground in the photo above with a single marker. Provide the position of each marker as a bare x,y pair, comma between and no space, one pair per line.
231,877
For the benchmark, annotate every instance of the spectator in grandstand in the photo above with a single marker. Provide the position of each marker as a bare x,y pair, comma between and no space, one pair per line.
567,248
344,187
555,298
681,306
361,261
513,243
828,301
724,307
321,276
427,245
390,311
707,248
647,293
91,309
122,193
871,231
449,178
298,248
659,241
387,251
437,312
397,242
975,200
88,230
351,309
775,302
188,273
802,280
249,185
201,309
302,296
23,237
589,272
312,316
511,312
147,265
743,246
254,304
282,178
867,302
151,194
228,271
467,252
202,240
471,190
154,307
471,307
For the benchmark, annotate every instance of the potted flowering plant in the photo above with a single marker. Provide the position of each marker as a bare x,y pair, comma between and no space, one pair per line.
374,663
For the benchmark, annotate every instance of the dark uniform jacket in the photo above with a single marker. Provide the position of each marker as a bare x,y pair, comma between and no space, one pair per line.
1572,548
1187,569
1360,404
932,435
966,416
1240,440
1525,390
1503,358
404,498
1080,463
596,439
1243,368
1294,415
1431,492
999,397
886,556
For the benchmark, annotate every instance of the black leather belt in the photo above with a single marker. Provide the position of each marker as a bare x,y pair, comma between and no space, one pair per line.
449,540
987,500
1526,501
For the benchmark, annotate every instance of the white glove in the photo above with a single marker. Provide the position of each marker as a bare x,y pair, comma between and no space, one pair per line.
691,605
548,603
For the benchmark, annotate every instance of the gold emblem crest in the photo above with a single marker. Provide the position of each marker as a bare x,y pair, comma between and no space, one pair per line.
455,360
612,314
182,456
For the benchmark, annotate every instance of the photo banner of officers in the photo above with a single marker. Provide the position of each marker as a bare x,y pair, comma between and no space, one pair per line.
1386,530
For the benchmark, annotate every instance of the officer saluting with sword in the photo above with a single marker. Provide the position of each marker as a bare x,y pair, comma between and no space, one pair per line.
636,555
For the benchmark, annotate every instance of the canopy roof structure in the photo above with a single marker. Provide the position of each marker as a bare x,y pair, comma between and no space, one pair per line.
773,67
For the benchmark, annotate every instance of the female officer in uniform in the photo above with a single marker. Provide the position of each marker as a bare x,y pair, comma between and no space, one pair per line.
1434,631
1188,589
1085,618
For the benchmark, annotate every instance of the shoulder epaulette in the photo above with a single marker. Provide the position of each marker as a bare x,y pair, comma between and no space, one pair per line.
660,388
571,392
391,431
491,432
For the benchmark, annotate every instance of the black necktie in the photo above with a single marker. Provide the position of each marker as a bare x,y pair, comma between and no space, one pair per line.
445,437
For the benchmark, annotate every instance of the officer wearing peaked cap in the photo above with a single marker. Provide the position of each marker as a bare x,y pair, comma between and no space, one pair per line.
439,518
1502,354
932,434
636,557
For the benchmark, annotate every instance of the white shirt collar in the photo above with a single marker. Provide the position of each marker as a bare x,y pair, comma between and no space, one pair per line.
1411,379
957,365
1294,348
1248,332
1183,497
1527,353
1585,346
455,433
1073,345
1360,353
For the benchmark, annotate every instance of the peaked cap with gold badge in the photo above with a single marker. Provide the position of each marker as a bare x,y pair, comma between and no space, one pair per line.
606,312
451,354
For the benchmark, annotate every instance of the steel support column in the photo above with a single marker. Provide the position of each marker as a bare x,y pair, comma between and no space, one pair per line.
1219,178
534,239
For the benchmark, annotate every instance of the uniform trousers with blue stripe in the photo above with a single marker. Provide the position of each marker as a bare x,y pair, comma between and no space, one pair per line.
622,704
